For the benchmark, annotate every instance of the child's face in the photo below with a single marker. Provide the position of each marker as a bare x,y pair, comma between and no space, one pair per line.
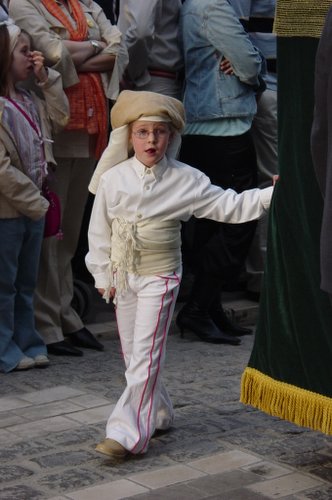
22,64
150,141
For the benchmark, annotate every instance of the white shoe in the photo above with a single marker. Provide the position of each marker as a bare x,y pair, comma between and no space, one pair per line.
25,363
41,360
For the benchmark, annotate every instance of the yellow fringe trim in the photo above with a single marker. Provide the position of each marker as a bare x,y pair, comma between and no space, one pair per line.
303,18
302,407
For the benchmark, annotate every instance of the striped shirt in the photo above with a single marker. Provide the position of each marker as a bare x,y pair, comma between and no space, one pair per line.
26,134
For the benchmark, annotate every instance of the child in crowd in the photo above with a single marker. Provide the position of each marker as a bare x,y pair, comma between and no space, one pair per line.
134,249
26,123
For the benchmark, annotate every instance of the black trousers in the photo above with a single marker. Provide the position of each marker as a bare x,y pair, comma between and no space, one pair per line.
210,247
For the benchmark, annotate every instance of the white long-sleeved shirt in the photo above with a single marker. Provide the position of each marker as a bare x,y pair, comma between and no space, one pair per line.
170,190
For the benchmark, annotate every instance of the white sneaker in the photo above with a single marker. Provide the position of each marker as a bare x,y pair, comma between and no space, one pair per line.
25,363
41,360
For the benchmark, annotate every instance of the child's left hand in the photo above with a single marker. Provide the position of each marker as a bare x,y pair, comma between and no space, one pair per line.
38,66
112,292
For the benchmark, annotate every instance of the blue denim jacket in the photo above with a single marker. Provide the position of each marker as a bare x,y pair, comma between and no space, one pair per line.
211,30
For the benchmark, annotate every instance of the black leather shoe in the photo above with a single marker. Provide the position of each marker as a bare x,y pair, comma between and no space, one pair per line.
84,338
220,318
63,349
198,321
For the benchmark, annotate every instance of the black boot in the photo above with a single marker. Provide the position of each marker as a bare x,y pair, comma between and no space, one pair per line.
224,323
84,338
198,321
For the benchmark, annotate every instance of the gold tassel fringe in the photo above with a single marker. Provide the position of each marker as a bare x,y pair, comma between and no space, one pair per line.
302,407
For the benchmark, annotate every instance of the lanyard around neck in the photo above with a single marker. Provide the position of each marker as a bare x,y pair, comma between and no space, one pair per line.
26,116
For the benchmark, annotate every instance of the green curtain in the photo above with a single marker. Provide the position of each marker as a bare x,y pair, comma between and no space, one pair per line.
289,373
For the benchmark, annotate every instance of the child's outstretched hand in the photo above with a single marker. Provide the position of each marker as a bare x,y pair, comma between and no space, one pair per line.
275,179
38,66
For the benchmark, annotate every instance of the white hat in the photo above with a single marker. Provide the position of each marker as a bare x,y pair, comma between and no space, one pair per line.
132,106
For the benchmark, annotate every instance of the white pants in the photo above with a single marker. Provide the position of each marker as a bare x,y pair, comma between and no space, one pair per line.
144,314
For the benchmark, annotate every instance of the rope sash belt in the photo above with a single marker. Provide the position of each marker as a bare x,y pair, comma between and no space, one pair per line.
147,247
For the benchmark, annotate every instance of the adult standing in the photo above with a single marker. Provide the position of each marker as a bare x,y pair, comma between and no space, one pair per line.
220,104
151,31
320,147
79,41
264,129
111,9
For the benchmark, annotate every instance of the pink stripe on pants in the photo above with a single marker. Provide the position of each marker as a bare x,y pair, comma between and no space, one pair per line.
144,315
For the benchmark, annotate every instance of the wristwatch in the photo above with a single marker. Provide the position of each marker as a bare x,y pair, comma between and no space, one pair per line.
96,45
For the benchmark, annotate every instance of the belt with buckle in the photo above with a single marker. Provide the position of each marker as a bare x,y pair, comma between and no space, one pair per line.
164,74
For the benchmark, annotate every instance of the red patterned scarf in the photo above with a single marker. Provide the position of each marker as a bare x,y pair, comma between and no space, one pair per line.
87,99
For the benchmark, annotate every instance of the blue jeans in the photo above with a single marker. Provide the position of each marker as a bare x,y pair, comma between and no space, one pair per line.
20,245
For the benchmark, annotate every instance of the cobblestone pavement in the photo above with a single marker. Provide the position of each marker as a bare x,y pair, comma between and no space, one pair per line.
51,419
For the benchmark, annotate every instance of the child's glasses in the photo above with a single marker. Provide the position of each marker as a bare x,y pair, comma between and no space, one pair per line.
143,133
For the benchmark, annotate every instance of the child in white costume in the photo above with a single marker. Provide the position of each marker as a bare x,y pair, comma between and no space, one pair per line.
134,249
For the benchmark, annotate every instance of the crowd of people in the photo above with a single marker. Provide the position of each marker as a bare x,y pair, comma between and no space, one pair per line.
182,170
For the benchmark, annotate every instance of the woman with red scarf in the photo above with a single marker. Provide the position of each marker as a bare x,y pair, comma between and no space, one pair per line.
79,41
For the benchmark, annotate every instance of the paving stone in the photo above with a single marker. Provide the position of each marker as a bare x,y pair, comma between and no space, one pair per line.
101,328
90,401
267,470
20,492
12,472
178,492
70,479
46,410
69,458
240,494
51,394
75,436
165,477
7,437
136,464
226,482
59,498
12,403
40,427
285,485
323,492
7,419
111,491
229,460
322,470
22,449
192,449
93,415
219,487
